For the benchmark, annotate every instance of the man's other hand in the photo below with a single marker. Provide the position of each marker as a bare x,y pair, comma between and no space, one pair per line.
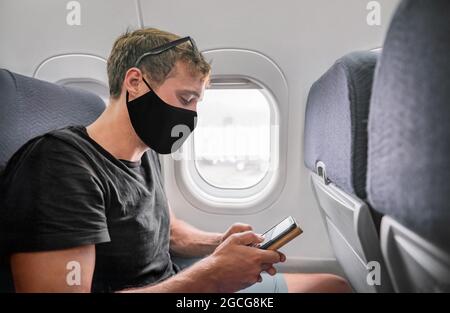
236,228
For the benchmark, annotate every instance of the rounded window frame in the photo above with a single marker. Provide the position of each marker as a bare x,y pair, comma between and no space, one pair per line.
75,68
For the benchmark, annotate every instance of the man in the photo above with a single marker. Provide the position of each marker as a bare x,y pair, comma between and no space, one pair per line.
91,199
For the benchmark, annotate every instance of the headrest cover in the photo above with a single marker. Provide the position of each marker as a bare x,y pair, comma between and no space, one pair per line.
30,107
409,123
336,121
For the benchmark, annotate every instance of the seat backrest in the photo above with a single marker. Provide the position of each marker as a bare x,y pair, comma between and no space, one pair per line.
30,107
335,152
336,121
409,145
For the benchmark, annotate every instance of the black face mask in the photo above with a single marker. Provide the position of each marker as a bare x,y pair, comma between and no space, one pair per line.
161,126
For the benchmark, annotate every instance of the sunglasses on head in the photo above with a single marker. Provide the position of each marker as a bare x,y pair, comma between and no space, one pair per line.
167,46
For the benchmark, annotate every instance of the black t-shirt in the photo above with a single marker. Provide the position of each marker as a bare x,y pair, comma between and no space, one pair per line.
63,190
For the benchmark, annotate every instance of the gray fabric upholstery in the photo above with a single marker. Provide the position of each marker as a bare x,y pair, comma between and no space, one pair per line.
409,123
336,121
30,107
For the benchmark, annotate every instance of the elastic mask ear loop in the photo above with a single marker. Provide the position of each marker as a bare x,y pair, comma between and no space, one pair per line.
145,82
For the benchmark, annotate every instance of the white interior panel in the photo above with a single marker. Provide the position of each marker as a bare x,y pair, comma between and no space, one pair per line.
33,31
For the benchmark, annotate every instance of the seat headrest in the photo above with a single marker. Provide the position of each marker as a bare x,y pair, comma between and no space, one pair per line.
336,121
409,123
30,107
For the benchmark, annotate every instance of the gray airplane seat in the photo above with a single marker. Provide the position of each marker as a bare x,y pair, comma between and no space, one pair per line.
30,107
335,150
409,147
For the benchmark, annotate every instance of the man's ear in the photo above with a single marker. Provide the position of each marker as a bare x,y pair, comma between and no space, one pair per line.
132,82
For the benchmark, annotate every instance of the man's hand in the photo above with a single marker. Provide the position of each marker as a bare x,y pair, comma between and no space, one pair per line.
236,228
236,264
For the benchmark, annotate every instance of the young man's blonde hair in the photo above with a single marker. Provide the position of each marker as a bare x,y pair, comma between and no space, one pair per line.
131,45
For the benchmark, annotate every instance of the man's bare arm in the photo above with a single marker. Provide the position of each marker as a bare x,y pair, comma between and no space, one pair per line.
197,278
50,272
189,241
234,265
54,271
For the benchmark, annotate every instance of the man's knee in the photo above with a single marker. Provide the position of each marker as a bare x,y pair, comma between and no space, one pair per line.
316,283
337,283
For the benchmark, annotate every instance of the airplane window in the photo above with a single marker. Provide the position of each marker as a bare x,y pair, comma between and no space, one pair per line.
232,140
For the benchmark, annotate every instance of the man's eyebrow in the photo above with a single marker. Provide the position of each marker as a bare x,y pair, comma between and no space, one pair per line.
189,91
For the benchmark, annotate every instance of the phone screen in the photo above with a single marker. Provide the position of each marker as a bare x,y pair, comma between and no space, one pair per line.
282,227
277,230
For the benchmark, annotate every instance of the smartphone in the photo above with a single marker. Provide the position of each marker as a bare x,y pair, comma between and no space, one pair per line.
280,234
